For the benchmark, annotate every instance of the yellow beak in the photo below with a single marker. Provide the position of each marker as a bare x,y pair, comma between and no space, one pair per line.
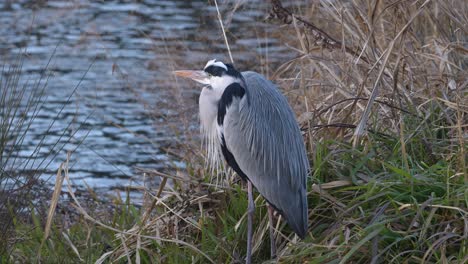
198,76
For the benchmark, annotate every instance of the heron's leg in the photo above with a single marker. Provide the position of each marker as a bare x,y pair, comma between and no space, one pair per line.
250,214
272,232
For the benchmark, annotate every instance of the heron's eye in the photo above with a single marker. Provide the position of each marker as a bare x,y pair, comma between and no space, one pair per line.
210,75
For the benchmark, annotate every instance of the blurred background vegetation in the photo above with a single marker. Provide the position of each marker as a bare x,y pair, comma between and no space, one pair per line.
379,90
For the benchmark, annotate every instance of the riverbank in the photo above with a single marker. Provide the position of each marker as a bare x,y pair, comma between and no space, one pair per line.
380,94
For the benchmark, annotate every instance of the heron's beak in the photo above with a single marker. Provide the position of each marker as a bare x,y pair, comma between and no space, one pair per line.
198,76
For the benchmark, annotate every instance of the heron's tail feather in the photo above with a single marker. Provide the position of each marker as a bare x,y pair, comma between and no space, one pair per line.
296,215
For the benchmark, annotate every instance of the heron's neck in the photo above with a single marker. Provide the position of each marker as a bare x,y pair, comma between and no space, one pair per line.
210,98
219,84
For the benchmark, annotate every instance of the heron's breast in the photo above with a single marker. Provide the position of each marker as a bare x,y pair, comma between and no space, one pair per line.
208,107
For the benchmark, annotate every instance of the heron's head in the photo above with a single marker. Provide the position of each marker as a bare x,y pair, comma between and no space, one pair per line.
216,74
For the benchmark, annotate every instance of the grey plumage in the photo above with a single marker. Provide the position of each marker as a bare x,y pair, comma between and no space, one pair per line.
261,132
246,119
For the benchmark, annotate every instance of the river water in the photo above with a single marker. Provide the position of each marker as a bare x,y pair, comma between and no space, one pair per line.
119,55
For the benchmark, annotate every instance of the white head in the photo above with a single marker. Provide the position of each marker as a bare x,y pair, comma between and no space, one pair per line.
216,74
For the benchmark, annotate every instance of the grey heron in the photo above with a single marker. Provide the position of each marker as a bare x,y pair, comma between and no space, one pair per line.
246,118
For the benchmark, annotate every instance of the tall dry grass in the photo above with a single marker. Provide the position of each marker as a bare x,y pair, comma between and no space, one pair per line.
383,61
20,103
22,190
382,88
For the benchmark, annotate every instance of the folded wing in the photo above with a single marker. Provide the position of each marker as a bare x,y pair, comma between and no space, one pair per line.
261,133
